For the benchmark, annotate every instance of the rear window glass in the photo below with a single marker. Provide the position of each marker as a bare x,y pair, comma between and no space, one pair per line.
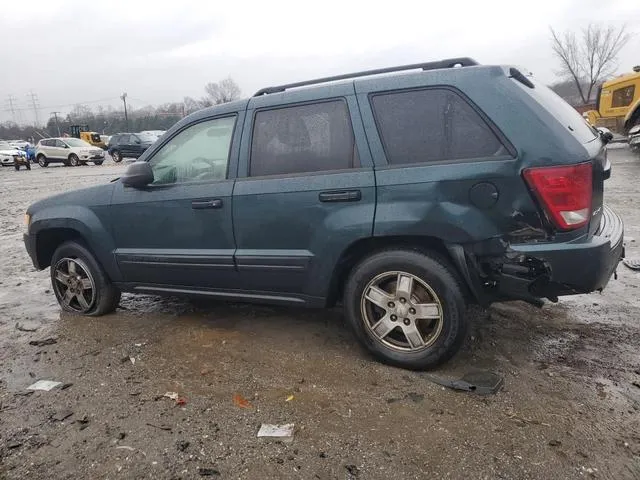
432,125
561,110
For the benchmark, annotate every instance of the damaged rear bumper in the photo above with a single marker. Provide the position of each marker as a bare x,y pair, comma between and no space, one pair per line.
546,270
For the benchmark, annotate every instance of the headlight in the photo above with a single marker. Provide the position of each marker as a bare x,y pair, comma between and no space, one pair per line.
27,222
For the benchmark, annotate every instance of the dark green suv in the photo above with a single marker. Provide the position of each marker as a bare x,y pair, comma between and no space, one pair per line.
403,193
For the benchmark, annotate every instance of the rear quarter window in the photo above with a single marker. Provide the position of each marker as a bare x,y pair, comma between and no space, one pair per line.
561,110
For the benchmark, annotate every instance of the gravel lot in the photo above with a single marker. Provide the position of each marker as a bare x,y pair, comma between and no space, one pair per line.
569,407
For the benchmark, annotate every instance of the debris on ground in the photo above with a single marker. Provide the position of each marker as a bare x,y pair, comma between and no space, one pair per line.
12,445
64,386
62,415
166,428
126,447
181,401
182,445
632,263
281,432
208,472
44,342
240,401
352,470
22,328
480,382
171,395
132,360
45,385
289,398
555,443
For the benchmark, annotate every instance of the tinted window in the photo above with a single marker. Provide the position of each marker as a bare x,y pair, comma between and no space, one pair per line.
561,110
304,138
198,153
123,139
432,125
623,96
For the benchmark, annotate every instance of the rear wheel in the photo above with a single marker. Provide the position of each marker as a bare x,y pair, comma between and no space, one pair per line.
117,156
79,283
74,160
406,307
42,161
99,162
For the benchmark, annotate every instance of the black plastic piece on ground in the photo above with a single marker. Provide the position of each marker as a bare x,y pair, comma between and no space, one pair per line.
447,63
480,382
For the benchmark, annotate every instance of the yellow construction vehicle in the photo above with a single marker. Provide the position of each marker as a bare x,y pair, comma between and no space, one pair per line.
617,103
82,132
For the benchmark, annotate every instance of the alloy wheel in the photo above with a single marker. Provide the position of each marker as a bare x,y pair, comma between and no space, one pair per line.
74,286
402,311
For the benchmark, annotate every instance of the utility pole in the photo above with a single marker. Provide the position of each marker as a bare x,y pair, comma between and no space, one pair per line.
34,103
55,114
11,107
123,97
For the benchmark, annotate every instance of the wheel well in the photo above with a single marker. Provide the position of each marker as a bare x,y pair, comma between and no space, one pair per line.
363,248
49,240
40,155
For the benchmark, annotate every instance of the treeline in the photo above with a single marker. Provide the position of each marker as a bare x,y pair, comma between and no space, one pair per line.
108,120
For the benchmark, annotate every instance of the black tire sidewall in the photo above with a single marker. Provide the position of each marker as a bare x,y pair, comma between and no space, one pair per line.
116,156
74,161
42,161
439,276
104,289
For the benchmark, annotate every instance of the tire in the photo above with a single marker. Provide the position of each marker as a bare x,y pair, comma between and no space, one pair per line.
28,166
74,161
42,161
16,166
117,156
98,163
436,293
99,294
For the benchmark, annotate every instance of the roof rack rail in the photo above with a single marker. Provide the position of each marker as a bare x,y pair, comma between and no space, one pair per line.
446,63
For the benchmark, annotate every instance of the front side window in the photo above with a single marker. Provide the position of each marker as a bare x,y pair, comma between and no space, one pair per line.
303,138
432,125
198,153
60,144
623,97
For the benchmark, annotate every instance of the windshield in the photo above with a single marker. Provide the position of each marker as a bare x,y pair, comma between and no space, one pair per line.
147,137
76,142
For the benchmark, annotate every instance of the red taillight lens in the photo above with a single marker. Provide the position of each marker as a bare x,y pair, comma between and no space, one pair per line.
564,191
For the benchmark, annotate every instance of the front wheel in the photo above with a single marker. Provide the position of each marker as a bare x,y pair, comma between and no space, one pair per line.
406,307
79,283
98,162
117,156
42,161
74,161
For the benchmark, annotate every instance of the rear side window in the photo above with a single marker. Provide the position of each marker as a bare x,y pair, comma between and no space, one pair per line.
302,138
623,96
432,125
561,110
123,139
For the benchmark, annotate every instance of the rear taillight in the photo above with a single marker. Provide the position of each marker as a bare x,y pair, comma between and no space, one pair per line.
565,193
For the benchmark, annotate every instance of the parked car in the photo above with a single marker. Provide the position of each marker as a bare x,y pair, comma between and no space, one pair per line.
129,145
69,151
403,197
22,144
12,156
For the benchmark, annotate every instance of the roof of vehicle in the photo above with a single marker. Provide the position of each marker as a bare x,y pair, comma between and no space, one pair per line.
622,78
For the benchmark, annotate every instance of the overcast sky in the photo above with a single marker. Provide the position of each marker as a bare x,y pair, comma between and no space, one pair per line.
77,51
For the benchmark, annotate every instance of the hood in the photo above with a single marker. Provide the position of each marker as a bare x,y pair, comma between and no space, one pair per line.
100,195
11,151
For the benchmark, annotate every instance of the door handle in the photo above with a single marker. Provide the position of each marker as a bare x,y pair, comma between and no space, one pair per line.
340,196
202,204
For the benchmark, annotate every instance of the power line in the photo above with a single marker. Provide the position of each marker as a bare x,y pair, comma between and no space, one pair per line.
55,114
11,106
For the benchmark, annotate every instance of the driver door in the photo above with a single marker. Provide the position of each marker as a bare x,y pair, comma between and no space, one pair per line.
177,233
59,150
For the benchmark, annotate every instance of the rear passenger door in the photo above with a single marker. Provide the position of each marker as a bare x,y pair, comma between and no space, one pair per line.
123,145
305,192
442,168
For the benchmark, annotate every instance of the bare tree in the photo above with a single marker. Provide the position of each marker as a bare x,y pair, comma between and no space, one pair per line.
589,58
226,90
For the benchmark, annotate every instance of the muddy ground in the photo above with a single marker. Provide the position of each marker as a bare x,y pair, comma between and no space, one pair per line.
569,407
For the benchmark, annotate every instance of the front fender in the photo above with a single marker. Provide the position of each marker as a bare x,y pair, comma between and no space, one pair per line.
86,222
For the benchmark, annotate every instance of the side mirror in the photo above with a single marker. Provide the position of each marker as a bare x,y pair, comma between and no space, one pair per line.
137,175
137,141
66,146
